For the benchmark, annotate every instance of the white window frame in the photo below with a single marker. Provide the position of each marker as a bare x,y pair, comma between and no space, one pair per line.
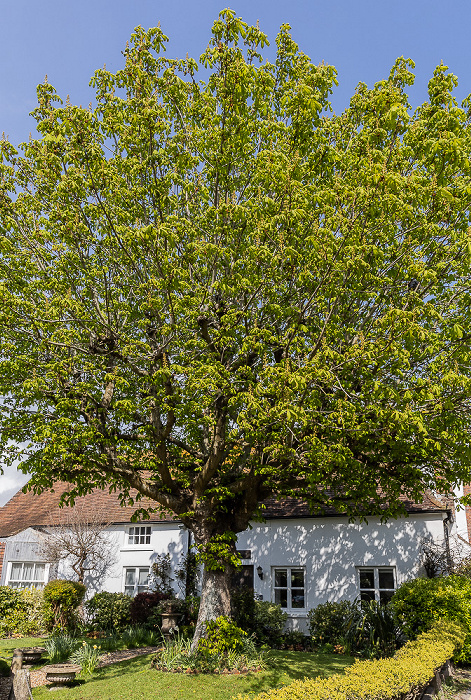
136,587
376,590
289,588
141,532
30,582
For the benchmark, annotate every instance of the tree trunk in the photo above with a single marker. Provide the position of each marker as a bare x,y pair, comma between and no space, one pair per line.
215,599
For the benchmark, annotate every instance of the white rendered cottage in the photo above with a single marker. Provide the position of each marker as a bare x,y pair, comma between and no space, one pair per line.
293,558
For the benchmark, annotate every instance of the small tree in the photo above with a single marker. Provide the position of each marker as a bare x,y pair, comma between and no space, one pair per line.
78,538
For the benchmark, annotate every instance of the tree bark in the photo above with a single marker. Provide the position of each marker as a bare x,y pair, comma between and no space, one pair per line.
215,600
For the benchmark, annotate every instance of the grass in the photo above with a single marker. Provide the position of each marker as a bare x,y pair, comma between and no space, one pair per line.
7,646
135,679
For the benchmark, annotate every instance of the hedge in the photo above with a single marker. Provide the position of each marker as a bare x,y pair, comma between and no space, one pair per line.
411,668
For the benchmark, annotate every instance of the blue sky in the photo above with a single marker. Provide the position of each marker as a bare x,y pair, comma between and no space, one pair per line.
362,38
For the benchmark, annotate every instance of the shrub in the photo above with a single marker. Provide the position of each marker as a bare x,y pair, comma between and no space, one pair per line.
269,622
20,611
372,630
243,608
222,635
143,609
421,602
409,669
109,611
295,640
327,622
61,600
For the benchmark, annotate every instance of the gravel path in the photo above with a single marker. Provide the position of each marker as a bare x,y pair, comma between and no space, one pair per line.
5,685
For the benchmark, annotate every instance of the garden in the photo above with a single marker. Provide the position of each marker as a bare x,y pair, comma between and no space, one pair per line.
117,645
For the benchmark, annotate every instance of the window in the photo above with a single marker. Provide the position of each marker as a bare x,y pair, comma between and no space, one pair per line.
288,588
377,583
139,535
136,580
27,575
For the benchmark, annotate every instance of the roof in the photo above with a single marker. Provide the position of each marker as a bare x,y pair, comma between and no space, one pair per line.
39,510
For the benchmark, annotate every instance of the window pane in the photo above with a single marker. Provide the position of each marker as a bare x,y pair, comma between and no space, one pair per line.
367,595
129,590
281,577
28,572
39,572
386,578
367,578
130,577
16,572
297,578
148,529
281,597
297,598
143,576
385,596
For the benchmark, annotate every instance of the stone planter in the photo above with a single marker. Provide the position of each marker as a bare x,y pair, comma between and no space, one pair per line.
169,623
32,655
60,675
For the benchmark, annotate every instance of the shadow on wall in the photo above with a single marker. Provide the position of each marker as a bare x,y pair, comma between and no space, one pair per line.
331,550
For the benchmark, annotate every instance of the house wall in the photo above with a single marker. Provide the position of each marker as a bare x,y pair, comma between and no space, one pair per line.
25,546
330,550
165,538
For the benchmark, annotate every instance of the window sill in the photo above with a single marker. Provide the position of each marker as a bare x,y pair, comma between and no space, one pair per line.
296,613
137,548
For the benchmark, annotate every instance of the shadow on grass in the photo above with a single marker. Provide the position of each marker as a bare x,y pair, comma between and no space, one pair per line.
282,668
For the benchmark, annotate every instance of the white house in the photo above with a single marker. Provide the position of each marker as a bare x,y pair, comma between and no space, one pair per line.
293,558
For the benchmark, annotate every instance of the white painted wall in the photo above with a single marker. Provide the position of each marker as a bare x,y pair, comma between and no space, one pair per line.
165,538
331,549
461,526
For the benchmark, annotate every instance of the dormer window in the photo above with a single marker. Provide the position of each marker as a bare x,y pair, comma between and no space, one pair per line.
139,534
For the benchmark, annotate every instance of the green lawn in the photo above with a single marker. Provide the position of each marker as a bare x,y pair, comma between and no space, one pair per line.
135,680
7,646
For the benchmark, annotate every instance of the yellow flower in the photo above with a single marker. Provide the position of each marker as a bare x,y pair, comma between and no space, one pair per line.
94,646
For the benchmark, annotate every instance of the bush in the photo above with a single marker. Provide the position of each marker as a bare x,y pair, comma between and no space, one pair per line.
145,608
109,611
327,622
243,608
269,622
372,630
21,611
222,635
61,600
296,640
409,669
421,602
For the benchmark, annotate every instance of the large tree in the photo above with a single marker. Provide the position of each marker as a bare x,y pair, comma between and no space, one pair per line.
216,291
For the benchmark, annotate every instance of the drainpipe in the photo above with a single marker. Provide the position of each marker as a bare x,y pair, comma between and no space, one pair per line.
448,521
187,555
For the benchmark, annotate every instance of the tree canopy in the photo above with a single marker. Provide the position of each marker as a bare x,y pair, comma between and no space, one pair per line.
217,290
